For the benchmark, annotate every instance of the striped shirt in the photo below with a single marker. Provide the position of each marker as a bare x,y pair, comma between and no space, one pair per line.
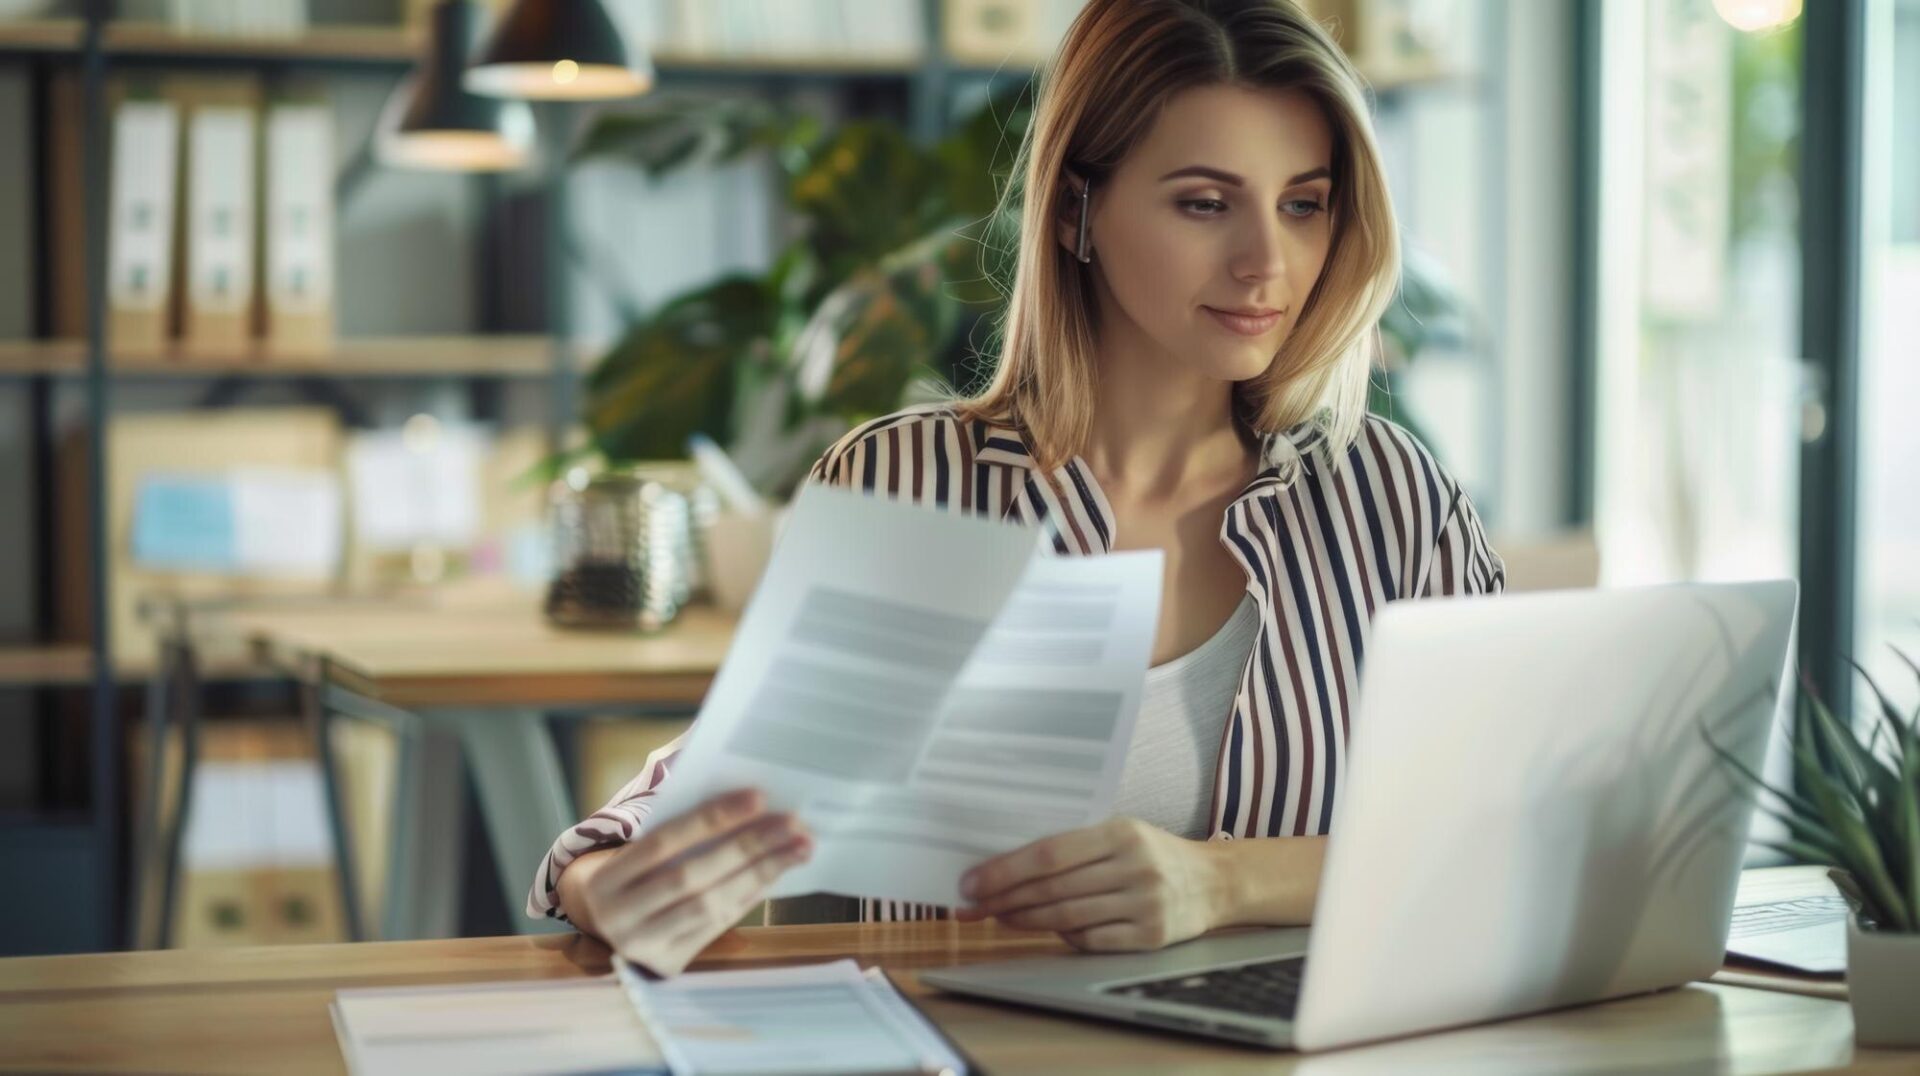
1324,543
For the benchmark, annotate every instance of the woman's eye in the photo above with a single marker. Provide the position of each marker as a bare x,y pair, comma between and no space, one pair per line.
1298,208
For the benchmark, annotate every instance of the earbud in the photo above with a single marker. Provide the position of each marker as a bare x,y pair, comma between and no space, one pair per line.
1086,201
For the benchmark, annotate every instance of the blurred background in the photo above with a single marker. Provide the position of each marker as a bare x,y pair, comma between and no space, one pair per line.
351,542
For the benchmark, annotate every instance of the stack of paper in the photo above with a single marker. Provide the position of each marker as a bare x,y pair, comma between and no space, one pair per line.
817,1018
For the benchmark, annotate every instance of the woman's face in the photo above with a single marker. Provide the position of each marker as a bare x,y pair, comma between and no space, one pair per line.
1222,209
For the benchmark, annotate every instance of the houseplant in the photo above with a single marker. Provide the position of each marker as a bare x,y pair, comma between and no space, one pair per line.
893,284
1855,807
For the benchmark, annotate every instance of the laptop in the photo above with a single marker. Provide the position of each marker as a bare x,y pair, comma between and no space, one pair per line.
1531,818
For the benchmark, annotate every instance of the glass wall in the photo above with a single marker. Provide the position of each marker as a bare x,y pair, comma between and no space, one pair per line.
1888,528
1699,384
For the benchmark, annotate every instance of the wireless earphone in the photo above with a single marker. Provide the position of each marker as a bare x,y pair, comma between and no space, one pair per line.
1086,201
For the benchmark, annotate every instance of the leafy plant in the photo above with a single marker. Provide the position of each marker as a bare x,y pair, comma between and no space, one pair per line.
899,264
1858,804
882,286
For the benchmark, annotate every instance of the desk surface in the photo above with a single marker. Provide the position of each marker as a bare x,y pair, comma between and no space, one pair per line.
488,647
265,1009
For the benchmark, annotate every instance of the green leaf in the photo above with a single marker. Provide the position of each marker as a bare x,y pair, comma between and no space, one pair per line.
1857,843
1903,734
1802,852
1908,806
1798,804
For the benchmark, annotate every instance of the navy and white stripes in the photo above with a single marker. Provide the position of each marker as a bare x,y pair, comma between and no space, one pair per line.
1323,547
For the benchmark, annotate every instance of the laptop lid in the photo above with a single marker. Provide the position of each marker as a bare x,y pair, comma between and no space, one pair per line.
1535,818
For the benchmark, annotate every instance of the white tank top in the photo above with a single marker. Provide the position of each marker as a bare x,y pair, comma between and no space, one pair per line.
1184,706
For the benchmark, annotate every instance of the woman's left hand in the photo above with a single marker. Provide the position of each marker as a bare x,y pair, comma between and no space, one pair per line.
1120,885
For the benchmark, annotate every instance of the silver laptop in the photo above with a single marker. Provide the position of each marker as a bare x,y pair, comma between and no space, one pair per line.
1531,818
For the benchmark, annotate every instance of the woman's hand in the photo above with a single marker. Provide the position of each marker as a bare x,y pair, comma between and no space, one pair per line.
659,900
1120,885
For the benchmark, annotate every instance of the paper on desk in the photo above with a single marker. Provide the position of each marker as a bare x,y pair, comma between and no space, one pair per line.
827,1018
566,1025
925,690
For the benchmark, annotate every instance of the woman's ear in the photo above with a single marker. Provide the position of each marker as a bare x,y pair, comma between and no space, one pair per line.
1066,224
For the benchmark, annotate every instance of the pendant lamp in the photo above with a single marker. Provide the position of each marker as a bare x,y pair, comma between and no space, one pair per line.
434,122
558,50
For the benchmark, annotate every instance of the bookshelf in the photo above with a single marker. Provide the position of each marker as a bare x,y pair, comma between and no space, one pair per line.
49,368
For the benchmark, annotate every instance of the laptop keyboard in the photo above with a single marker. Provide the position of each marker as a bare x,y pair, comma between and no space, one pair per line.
1268,988
1779,915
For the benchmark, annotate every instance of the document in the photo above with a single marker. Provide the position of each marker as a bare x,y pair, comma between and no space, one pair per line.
827,1018
925,690
494,1029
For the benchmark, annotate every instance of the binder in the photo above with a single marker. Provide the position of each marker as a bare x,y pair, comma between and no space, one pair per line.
146,142
218,297
298,220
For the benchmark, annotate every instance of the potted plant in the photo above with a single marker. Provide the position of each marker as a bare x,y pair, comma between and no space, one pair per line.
1855,807
876,296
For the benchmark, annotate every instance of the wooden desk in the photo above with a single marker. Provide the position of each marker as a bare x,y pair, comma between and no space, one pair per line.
485,647
265,1010
466,676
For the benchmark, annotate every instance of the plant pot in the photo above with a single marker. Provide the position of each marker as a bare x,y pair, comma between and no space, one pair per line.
1883,985
738,548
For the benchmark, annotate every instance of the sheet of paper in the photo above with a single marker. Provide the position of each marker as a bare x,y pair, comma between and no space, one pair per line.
925,690
184,522
824,1018
287,522
251,521
567,1025
409,489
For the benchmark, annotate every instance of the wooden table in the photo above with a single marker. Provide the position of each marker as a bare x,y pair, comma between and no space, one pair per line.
483,646
467,677
265,1010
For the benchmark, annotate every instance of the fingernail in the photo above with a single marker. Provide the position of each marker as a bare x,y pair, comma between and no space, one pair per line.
968,884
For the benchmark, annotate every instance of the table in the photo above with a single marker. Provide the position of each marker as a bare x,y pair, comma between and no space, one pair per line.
467,677
265,1009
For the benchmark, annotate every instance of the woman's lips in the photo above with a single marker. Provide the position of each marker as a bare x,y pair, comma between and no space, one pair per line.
1244,325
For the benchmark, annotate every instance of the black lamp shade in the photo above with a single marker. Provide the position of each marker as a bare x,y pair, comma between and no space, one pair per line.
566,50
443,125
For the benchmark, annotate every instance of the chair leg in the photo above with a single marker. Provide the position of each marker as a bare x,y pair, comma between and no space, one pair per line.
142,931
187,704
314,712
523,798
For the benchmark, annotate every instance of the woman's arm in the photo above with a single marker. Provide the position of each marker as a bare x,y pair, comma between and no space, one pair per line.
573,884
1268,881
1128,885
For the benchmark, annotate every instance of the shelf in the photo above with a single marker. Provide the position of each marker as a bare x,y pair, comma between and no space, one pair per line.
390,45
398,46
392,357
71,665
36,665
752,64
39,35
158,41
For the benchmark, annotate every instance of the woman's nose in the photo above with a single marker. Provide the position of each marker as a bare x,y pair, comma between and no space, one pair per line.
1261,254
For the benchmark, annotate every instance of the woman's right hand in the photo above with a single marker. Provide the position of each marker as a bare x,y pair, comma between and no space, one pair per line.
659,900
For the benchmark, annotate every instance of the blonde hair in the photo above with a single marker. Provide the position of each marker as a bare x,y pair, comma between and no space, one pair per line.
1121,62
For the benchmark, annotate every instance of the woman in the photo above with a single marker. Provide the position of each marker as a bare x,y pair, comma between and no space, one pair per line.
1206,250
